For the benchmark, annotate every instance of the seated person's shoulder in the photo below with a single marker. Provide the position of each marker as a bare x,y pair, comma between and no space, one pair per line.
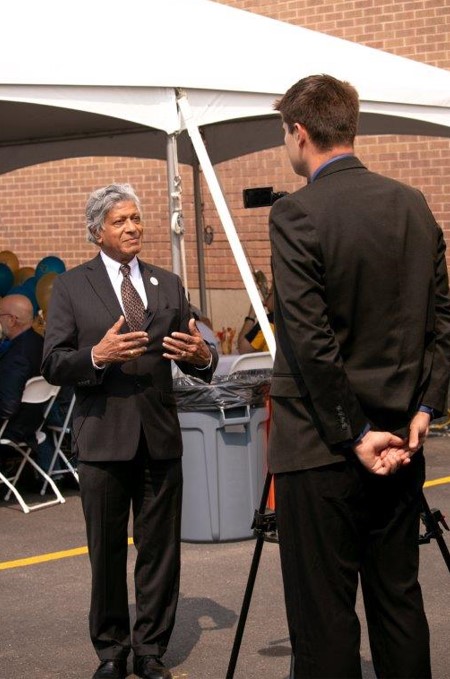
29,339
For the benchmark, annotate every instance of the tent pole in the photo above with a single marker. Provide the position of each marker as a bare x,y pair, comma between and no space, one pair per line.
172,178
226,219
199,233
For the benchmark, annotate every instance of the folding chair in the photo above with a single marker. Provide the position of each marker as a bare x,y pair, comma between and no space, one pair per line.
259,360
59,432
37,390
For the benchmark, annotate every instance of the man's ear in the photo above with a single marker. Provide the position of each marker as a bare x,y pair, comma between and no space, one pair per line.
300,133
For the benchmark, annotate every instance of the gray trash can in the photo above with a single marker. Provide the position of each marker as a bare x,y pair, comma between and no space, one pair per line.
224,431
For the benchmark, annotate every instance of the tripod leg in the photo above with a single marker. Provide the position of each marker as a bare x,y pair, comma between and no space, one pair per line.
250,585
245,607
437,533
291,671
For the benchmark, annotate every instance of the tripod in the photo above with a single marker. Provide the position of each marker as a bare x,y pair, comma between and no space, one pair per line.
431,518
265,528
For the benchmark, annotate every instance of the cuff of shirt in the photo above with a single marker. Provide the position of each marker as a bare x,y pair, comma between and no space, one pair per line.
97,367
427,409
355,441
205,367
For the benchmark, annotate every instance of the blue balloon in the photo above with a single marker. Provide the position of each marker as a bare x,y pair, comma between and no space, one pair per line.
16,290
6,279
50,264
30,283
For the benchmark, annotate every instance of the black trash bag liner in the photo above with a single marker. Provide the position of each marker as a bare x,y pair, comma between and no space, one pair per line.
247,387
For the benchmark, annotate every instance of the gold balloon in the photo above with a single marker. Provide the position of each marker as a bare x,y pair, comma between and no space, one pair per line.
23,274
44,289
10,259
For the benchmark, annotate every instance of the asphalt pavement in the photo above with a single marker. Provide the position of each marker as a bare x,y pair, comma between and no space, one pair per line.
45,579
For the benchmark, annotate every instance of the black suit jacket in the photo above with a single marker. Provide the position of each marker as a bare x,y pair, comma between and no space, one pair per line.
362,313
18,364
112,405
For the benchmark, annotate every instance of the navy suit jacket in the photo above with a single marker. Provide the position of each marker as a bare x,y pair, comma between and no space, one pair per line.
18,364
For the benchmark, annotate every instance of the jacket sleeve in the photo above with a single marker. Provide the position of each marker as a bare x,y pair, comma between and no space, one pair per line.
435,394
63,362
304,333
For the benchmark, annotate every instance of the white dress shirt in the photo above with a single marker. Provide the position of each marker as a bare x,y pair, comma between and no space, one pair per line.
116,278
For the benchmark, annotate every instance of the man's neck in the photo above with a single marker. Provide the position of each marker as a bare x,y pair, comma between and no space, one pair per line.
319,159
107,258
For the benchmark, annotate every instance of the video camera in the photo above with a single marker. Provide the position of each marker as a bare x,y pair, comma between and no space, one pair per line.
261,196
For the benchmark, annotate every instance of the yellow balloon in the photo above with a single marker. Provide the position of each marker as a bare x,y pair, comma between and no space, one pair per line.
10,259
44,289
23,274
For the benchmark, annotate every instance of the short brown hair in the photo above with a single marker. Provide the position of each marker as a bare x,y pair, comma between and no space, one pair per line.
328,108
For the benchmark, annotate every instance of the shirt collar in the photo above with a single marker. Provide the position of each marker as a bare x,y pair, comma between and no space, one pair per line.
113,267
328,162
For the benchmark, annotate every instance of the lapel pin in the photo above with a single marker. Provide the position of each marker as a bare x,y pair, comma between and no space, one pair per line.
154,281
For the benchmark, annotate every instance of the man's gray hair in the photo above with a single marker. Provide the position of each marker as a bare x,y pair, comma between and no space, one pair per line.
101,201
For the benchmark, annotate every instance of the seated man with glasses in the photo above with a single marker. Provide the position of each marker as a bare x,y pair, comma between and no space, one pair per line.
18,363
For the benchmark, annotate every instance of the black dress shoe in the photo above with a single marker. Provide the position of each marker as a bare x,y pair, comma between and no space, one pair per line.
111,669
150,667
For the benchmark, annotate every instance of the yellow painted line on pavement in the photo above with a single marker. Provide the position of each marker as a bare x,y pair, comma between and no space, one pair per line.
437,482
30,561
52,556
78,551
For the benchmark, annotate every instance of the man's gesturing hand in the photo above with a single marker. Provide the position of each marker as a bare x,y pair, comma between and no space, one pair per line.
381,452
117,347
190,348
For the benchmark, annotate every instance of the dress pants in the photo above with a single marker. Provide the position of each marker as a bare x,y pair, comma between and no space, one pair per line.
338,523
153,488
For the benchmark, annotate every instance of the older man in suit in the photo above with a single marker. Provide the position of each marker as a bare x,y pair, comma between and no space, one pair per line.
20,361
362,318
114,323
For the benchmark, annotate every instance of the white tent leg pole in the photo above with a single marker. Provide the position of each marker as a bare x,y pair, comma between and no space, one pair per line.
226,219
174,186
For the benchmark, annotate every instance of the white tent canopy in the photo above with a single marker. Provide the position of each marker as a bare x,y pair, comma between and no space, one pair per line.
101,77
106,74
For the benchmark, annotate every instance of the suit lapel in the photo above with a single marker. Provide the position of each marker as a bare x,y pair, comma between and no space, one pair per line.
101,284
99,279
151,285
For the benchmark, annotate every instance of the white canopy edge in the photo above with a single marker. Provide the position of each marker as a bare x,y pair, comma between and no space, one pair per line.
155,107
151,106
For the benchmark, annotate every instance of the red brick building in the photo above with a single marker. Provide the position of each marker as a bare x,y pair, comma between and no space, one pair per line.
42,206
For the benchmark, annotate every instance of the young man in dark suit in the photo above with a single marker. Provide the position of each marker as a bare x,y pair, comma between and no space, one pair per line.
113,325
362,319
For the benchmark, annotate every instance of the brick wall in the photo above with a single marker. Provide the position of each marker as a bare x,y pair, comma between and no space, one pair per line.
42,206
